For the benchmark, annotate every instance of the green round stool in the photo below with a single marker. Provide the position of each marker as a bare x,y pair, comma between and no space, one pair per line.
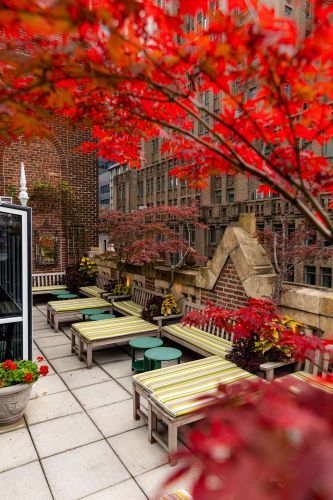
155,356
90,312
68,296
98,317
57,293
145,343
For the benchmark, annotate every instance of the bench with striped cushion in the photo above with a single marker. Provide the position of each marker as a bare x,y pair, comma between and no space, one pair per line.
186,396
59,308
197,340
92,291
107,332
314,380
177,495
47,288
129,308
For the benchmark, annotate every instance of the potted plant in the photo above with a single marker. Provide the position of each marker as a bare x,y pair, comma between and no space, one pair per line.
16,380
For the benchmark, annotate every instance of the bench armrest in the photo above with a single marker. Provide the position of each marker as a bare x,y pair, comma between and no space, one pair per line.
160,319
269,367
118,297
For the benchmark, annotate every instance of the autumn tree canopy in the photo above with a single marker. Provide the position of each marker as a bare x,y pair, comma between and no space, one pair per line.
132,70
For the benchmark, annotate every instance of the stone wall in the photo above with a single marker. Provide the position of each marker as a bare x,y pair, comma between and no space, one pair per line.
55,160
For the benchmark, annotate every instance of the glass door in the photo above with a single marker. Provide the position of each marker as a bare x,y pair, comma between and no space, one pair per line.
15,283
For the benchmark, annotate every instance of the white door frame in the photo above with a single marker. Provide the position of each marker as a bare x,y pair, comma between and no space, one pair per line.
25,318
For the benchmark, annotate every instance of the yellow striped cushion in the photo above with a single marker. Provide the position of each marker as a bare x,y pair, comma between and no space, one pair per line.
47,288
106,328
129,307
198,338
193,370
77,304
184,398
314,380
93,291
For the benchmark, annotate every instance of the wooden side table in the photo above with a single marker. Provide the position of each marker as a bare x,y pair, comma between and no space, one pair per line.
156,355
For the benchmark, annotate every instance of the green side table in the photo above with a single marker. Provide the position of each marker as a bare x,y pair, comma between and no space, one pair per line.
145,343
90,312
98,317
155,356
66,296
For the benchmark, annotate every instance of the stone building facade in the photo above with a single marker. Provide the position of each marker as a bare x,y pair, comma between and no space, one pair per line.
63,188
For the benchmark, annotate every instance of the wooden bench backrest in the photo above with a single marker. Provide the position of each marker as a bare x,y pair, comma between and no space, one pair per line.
141,295
322,363
48,279
208,327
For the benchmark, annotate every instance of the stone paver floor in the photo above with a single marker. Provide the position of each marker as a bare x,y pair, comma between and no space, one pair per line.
78,439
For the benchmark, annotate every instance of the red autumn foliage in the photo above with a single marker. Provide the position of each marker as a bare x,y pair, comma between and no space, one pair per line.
131,70
148,235
261,441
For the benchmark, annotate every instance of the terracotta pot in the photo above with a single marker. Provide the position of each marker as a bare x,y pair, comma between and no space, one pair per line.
13,402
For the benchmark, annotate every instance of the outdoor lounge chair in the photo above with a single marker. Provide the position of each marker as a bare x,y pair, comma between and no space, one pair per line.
62,308
175,393
107,332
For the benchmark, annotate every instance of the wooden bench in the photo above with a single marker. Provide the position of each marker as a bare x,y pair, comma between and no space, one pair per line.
139,299
206,340
107,332
47,282
59,309
175,395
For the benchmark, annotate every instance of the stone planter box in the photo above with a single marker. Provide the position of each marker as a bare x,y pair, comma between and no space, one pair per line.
13,402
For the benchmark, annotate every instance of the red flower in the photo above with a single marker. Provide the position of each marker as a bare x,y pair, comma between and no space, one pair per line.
44,370
39,358
28,377
9,365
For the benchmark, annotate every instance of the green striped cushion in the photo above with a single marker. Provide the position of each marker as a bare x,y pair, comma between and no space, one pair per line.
129,307
77,304
93,291
47,288
198,338
314,380
193,370
106,328
185,397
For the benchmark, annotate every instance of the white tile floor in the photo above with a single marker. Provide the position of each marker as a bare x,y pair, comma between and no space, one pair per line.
78,439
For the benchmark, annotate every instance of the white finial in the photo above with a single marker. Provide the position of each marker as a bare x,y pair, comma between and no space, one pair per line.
23,196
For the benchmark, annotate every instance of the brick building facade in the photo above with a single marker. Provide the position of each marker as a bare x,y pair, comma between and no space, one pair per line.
69,209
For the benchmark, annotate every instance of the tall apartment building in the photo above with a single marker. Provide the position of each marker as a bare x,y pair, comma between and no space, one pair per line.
106,174
226,196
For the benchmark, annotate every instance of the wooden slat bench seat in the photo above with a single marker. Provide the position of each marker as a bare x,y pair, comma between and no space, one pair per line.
40,290
139,299
47,282
197,340
62,308
108,332
175,394
92,291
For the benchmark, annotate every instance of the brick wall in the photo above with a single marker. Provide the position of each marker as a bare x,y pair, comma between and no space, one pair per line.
228,291
56,160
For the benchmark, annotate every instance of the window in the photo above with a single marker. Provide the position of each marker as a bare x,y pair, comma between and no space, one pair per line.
260,226
288,11
212,236
105,202
217,103
184,184
252,92
291,273
310,275
158,184
170,183
230,195
328,148
105,189
154,145
163,184
148,186
218,196
326,277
